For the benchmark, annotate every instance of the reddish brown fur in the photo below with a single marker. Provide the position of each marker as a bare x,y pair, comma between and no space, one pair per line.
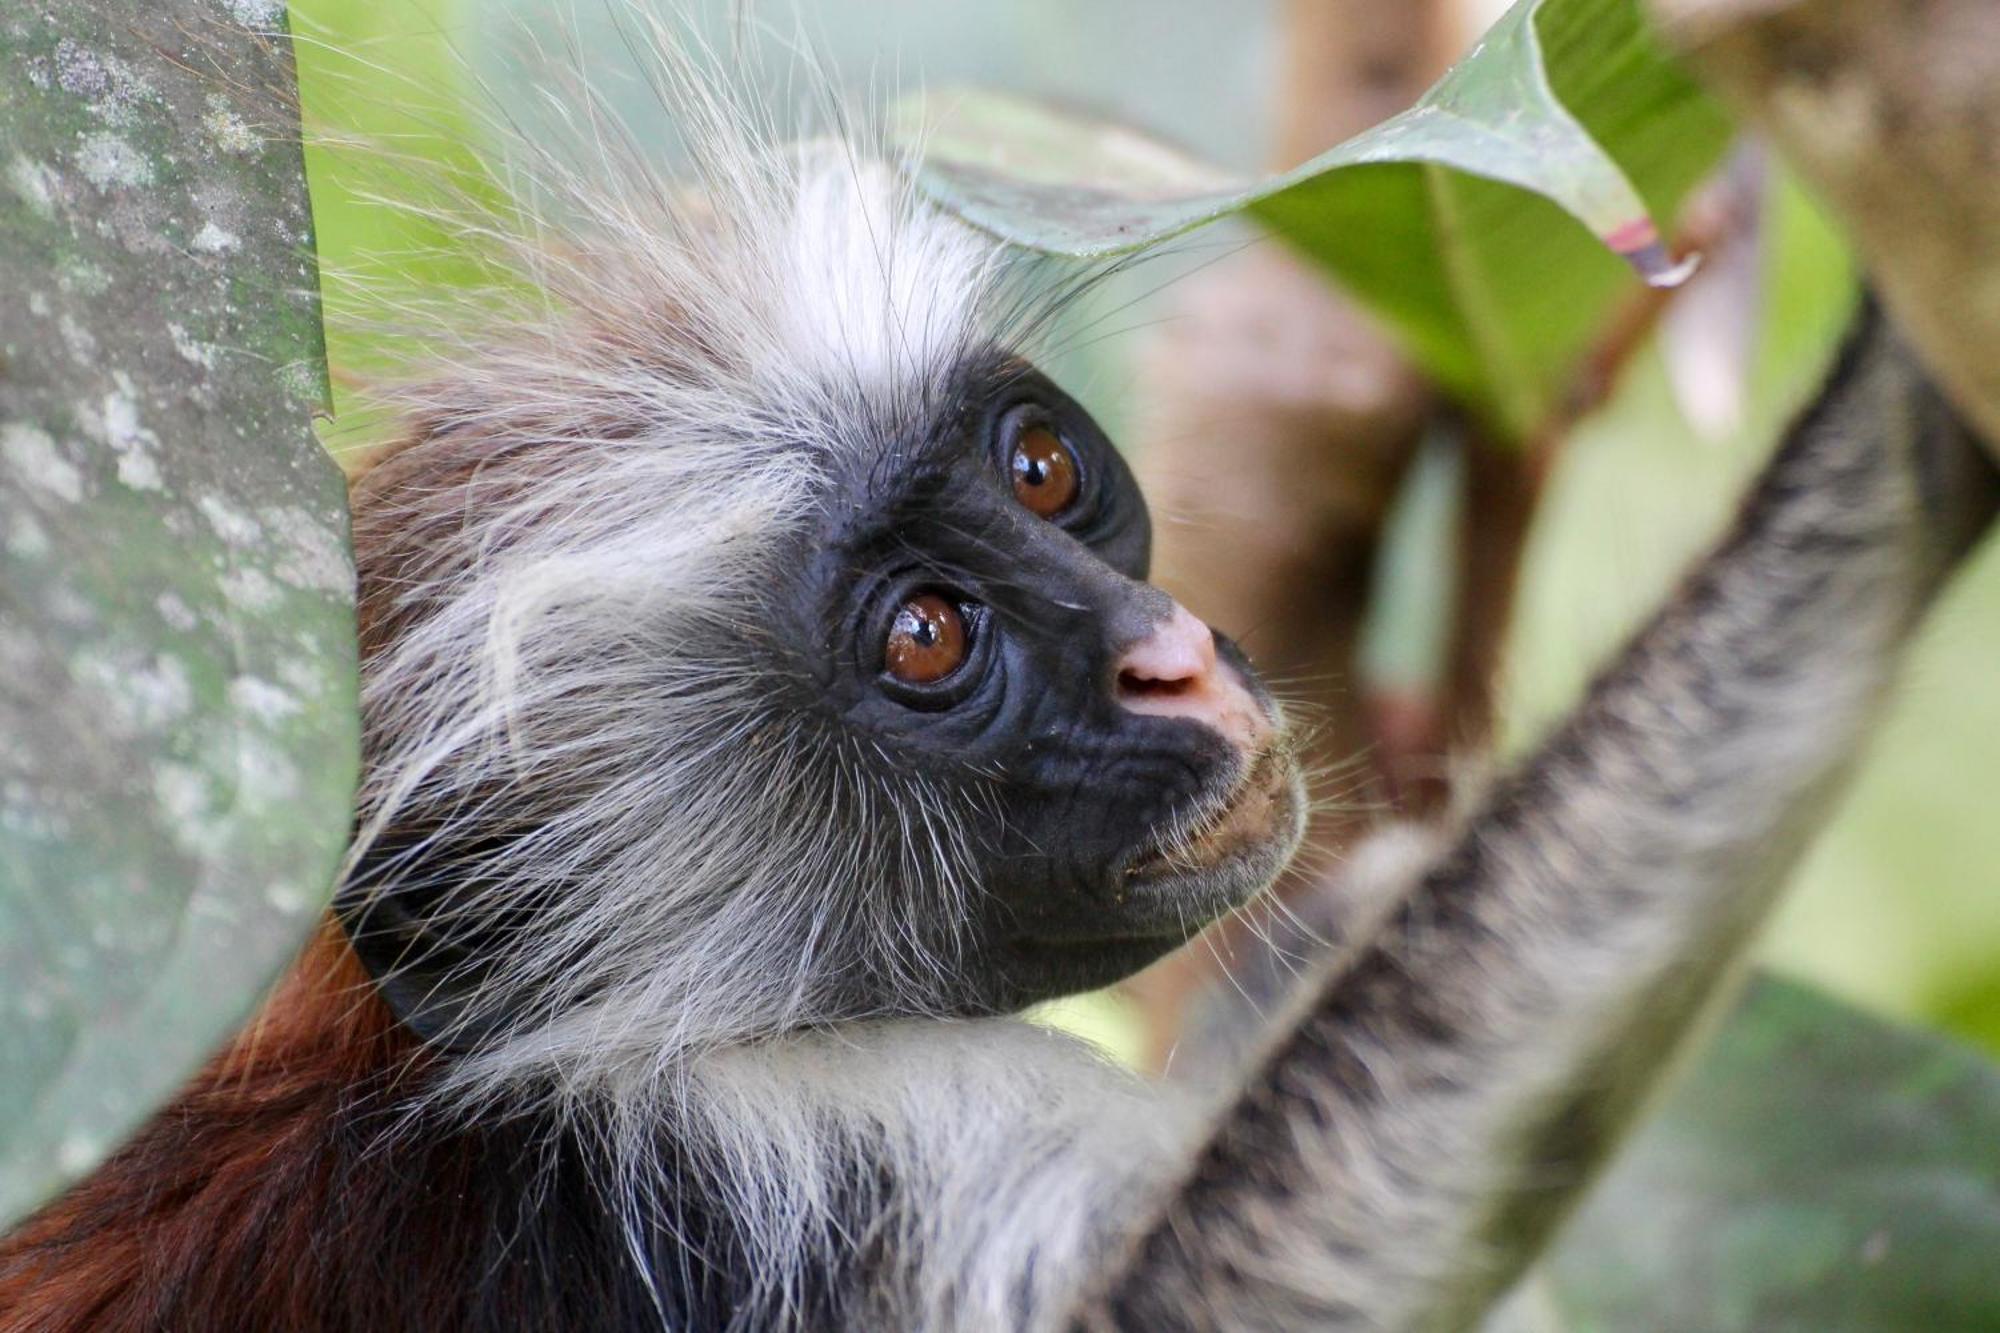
214,1206
284,1188
200,1209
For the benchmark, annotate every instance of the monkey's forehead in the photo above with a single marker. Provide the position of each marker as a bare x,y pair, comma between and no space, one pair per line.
854,283
823,321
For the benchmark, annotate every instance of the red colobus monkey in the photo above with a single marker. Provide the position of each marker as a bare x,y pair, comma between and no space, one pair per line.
764,699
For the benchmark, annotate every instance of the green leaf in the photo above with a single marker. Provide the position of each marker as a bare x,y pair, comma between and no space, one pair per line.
177,649
1821,1172
1455,221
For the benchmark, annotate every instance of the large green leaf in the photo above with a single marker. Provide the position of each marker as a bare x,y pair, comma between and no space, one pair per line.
178,734
1457,222
1821,1172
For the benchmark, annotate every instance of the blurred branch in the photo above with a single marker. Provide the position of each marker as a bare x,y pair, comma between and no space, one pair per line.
1351,64
1279,428
1717,218
1278,425
1892,112
1504,481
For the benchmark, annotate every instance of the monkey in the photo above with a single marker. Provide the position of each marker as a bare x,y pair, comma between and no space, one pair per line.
764,702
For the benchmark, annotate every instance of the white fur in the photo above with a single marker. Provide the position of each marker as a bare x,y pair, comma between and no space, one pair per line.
1014,1150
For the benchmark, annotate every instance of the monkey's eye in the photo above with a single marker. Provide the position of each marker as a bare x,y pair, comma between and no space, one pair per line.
927,640
1045,471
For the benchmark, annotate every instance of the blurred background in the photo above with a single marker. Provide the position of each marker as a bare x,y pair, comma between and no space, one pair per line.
1898,907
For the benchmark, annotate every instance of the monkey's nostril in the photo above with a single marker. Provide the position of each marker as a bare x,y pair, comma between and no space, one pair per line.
1173,672
1132,684
1175,655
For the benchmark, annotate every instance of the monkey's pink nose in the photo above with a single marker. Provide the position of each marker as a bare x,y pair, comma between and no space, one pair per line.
1173,672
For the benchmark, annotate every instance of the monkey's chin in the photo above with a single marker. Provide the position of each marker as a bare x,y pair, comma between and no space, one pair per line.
1230,853
1167,890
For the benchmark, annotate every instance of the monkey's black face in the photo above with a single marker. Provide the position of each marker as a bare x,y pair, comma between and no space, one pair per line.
980,619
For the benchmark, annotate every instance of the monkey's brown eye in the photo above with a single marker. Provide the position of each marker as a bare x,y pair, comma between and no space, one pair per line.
1045,472
927,640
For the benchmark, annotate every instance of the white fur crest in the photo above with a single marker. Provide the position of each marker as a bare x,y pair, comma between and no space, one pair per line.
568,558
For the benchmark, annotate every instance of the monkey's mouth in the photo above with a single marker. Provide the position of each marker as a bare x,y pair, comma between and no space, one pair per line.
1188,873
1252,827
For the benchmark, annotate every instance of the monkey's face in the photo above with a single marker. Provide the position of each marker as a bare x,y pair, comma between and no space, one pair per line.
980,617
758,648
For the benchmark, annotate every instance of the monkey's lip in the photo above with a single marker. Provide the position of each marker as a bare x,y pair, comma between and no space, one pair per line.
1248,818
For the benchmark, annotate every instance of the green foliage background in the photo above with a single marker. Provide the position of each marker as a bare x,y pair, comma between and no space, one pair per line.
1898,907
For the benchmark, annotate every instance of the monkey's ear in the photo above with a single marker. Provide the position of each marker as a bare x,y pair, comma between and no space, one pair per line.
432,987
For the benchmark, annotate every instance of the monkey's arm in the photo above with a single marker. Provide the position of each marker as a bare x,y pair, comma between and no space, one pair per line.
1406,1145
